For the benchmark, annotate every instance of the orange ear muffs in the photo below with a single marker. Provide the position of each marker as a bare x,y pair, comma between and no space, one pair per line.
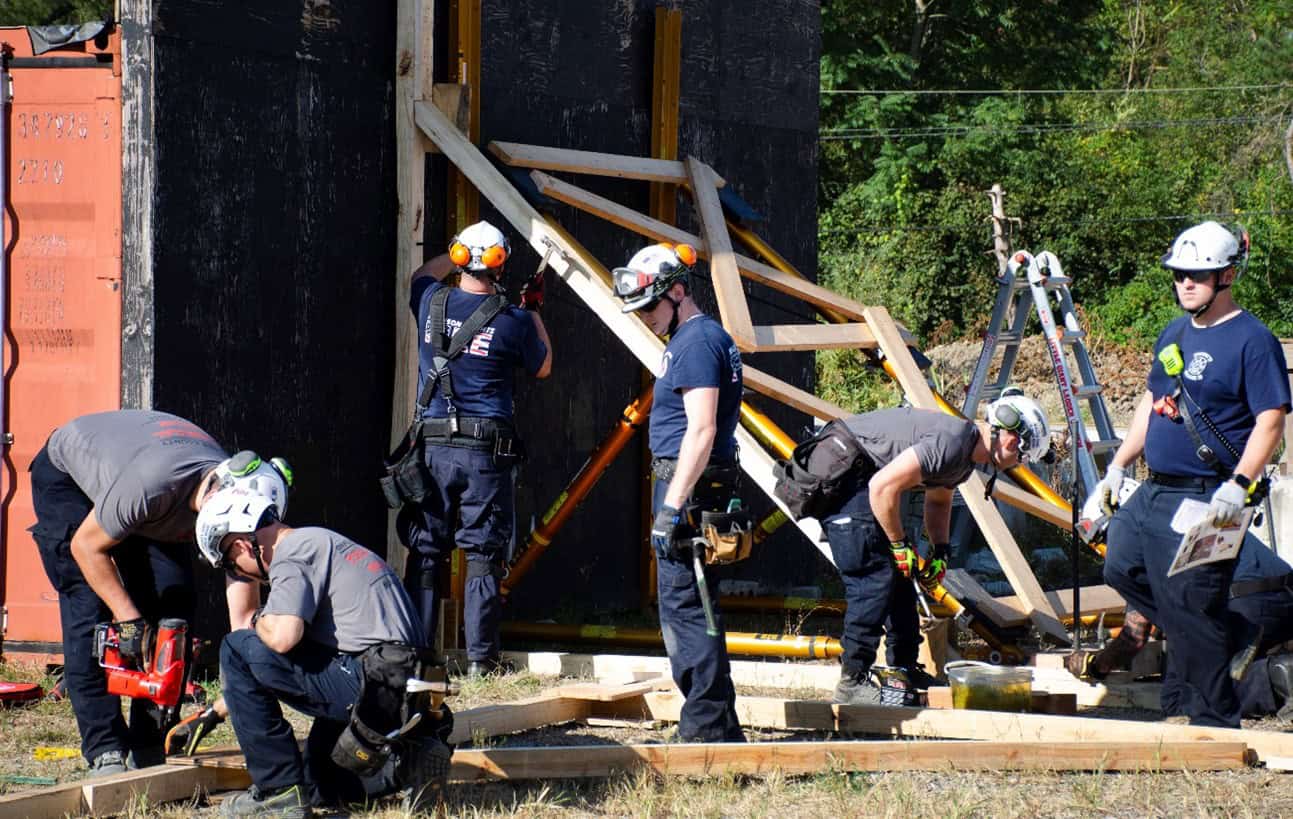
686,254
493,256
459,253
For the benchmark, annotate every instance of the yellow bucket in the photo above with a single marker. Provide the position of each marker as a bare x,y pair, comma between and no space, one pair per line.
986,687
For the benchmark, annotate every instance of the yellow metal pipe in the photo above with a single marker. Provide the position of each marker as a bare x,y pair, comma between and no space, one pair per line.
796,646
766,430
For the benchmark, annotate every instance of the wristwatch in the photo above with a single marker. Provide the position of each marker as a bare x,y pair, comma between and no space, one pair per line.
1244,482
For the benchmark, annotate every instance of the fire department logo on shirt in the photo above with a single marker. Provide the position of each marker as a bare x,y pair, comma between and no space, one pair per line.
1198,363
664,363
734,362
479,345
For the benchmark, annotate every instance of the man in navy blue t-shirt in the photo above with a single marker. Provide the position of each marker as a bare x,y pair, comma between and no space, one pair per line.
470,440
696,406
1207,426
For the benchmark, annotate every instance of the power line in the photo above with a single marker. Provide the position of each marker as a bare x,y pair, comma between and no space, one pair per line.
1165,217
1046,91
840,134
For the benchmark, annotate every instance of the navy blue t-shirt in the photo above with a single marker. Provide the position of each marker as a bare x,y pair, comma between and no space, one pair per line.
700,354
1234,371
482,374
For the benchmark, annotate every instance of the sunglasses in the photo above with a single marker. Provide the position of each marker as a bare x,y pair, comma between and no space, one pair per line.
1197,276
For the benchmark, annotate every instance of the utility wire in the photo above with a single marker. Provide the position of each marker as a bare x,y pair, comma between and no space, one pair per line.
1248,216
838,134
1046,91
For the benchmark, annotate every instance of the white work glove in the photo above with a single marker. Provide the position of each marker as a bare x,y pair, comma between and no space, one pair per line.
1227,502
1107,489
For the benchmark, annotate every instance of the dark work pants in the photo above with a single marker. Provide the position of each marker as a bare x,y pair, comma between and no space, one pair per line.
697,661
313,679
472,507
158,578
1191,608
878,598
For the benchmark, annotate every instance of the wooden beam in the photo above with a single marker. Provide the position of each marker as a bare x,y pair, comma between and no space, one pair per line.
965,588
120,793
667,171
802,758
1014,496
790,395
1273,747
783,337
512,717
578,269
1094,599
723,273
994,530
655,229
665,92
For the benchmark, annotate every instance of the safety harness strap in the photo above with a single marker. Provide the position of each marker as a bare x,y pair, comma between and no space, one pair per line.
445,348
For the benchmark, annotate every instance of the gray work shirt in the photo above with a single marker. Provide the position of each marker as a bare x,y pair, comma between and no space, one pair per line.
140,469
944,444
349,598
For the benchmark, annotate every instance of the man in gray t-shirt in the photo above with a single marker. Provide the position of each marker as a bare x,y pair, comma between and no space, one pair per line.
329,601
909,449
116,496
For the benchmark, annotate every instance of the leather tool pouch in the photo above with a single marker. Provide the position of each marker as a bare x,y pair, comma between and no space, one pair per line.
729,536
406,478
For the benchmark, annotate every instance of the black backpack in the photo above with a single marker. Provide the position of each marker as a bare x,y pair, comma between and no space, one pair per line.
811,482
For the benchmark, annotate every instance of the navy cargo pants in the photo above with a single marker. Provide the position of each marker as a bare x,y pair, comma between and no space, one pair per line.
878,599
471,506
158,578
317,681
697,661
1191,607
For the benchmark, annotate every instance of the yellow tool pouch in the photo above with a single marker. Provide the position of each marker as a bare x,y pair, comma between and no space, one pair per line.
729,536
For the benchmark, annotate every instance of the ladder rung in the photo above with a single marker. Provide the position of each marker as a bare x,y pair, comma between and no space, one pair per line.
1072,336
1056,282
1087,391
990,393
1105,446
1008,337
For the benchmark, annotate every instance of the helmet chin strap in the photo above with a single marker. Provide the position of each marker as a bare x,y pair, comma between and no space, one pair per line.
992,459
673,322
1217,287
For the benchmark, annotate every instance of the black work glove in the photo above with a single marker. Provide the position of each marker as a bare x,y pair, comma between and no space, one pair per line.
664,530
132,639
192,731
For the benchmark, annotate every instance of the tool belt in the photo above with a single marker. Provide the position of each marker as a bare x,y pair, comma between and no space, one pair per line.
716,474
485,434
729,536
386,711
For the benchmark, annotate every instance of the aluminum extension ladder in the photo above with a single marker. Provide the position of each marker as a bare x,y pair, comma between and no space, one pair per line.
1028,279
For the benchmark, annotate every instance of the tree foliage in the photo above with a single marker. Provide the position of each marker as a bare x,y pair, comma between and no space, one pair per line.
1103,180
48,12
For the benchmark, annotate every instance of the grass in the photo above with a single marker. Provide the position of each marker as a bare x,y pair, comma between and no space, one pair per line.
832,792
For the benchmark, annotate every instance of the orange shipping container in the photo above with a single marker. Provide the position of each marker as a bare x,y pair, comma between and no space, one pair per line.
62,317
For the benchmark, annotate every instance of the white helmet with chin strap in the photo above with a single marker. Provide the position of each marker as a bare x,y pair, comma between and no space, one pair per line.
1204,251
246,470
1020,414
232,510
650,274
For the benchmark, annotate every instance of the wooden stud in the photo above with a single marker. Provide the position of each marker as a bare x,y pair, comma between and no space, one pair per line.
118,793
999,539
1095,599
666,171
783,337
800,758
513,717
665,91
723,273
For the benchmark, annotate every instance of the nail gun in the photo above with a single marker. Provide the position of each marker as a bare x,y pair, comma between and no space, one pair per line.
168,662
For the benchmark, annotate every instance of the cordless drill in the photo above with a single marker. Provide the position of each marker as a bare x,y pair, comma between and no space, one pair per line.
165,671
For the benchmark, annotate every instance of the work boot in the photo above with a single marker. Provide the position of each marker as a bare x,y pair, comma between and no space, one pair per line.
856,688
488,667
422,772
108,762
285,803
145,758
1280,670
921,679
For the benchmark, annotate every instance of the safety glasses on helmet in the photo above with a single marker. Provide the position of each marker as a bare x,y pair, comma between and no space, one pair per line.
630,283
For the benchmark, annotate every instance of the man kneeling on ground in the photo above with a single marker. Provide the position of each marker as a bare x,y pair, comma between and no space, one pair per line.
337,639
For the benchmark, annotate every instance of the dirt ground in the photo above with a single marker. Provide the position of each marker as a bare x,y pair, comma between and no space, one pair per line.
1249,793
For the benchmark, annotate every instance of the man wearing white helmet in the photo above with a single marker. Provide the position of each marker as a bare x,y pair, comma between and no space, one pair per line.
116,495
902,450
692,436
332,609
1207,425
471,446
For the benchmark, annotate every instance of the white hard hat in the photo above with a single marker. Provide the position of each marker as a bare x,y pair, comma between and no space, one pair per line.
1207,246
479,247
650,273
229,510
246,470
1020,414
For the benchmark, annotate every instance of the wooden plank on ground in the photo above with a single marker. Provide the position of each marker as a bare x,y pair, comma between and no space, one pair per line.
1272,747
1144,695
120,793
723,273
513,717
784,337
760,673
602,692
672,172
994,530
799,758
1094,600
